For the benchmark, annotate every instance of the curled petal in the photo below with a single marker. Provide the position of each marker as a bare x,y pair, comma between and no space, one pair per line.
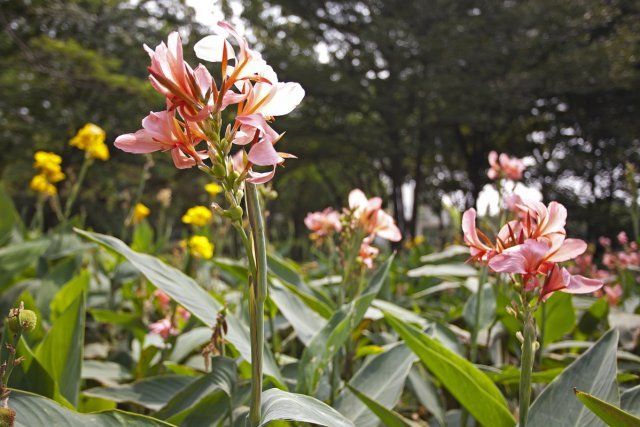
582,285
181,160
137,143
261,177
357,199
263,154
287,97
210,48
508,263
569,249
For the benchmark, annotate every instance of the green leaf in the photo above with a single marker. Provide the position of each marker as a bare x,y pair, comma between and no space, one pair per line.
189,341
33,410
449,252
281,405
185,291
444,270
152,393
382,377
314,303
610,414
470,386
487,309
305,322
285,270
17,257
595,372
426,392
142,237
9,217
328,341
60,352
387,416
108,373
559,317
220,382
630,400
69,293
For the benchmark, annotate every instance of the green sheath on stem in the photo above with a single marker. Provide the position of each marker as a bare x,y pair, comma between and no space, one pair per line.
257,295
526,365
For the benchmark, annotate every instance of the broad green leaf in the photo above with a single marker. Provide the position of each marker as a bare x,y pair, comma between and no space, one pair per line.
444,270
285,270
594,372
426,392
69,293
189,341
326,343
142,237
30,375
555,317
399,312
630,400
313,302
306,322
387,416
449,252
610,414
152,393
487,308
121,318
185,291
33,410
219,382
470,386
9,217
60,352
19,256
281,405
108,373
382,378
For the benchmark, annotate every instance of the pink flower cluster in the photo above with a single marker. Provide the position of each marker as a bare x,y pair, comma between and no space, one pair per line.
531,247
585,265
629,256
503,166
364,215
194,102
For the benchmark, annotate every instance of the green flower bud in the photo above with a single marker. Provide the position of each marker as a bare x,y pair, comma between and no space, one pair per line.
234,213
7,417
219,170
23,321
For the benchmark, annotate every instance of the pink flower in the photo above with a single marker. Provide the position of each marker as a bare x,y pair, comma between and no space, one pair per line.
605,242
479,244
162,298
622,238
367,253
162,131
369,214
505,166
323,223
533,259
613,294
183,313
512,202
163,327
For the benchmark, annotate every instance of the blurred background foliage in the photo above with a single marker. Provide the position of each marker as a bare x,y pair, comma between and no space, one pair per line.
404,98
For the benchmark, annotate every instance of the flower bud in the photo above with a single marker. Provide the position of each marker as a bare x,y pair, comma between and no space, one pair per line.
22,320
234,213
520,337
7,417
219,170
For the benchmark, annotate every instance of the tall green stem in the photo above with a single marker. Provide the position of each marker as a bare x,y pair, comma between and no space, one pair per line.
473,354
526,364
76,187
257,295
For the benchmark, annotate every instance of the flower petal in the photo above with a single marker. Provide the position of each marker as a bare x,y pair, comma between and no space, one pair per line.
137,143
210,48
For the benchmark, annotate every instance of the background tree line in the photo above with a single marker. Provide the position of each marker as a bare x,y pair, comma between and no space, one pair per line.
398,92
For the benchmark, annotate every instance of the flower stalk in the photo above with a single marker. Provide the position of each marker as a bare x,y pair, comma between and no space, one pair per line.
257,295
88,161
526,363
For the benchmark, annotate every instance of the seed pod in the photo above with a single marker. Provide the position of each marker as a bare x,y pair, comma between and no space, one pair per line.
22,321
7,417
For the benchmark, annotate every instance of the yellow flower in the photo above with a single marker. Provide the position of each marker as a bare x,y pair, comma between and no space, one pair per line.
98,151
41,184
47,162
140,212
201,247
197,216
88,136
213,189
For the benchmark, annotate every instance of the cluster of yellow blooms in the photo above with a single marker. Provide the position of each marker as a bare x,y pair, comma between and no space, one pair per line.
90,138
201,247
140,212
213,189
198,216
49,166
